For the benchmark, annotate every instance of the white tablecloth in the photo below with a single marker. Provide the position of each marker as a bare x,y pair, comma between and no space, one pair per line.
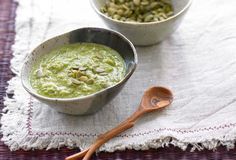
198,63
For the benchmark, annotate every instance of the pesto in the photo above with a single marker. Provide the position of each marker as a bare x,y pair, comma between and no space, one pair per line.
77,70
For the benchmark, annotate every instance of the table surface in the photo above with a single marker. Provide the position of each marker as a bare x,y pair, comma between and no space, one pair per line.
7,33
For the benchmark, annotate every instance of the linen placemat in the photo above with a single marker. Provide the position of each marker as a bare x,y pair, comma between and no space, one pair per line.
197,63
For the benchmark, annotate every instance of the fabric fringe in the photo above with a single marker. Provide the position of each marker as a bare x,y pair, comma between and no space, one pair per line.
16,136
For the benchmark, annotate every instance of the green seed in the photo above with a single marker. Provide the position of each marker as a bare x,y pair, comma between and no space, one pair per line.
138,10
99,70
160,10
145,3
116,16
75,81
109,69
167,1
39,73
78,74
155,19
162,15
170,14
120,12
123,19
121,1
83,78
125,7
111,11
148,18
113,5
154,4
103,74
103,10
99,56
90,81
72,74
104,85
136,2
161,18
110,62
82,68
126,13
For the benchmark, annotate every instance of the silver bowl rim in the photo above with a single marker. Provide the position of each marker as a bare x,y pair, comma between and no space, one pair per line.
125,78
141,23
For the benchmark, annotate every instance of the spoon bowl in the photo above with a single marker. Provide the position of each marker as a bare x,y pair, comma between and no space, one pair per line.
156,98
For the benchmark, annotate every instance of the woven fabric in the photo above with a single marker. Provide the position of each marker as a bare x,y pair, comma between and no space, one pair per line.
197,62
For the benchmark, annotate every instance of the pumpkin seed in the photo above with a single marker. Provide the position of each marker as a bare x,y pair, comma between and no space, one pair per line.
72,74
109,69
90,81
121,1
39,73
75,81
83,78
148,18
144,3
103,74
82,68
120,12
99,70
79,74
116,16
169,13
104,84
136,2
131,10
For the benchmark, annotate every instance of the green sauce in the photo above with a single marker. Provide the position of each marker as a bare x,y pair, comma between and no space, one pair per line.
77,70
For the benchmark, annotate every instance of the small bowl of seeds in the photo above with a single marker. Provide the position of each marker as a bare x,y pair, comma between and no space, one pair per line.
144,22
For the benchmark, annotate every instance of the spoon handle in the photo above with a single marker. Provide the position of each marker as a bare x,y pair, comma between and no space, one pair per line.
103,138
106,137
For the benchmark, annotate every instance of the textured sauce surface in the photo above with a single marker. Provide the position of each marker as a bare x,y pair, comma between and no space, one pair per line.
77,70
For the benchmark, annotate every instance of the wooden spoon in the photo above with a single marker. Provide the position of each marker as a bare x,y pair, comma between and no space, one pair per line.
153,99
